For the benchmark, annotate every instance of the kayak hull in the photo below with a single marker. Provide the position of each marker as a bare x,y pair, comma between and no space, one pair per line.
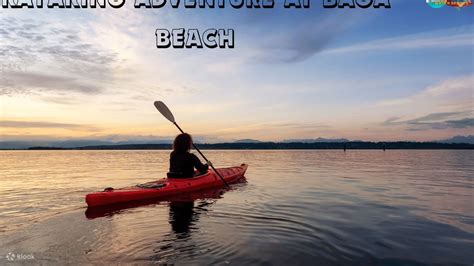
166,187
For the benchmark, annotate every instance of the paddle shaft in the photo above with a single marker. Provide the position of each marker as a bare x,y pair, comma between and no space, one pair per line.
196,148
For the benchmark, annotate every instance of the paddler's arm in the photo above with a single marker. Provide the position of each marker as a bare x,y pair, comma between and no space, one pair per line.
202,168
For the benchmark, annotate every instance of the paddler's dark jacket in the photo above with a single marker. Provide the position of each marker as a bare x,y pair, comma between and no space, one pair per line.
182,165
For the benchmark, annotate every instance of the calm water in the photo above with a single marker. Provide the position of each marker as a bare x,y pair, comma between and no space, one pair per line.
297,207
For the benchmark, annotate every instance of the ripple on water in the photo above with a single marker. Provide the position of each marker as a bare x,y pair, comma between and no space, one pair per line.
298,207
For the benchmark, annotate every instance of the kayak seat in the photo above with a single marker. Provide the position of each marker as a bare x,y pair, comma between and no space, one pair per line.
176,175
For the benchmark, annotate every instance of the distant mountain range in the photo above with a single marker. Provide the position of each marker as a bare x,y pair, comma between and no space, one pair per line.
318,140
238,144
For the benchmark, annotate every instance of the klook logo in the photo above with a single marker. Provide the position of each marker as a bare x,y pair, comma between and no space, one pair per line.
436,3
453,3
10,256
458,3
19,256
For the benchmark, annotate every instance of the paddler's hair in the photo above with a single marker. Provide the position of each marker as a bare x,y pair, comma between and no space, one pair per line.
182,143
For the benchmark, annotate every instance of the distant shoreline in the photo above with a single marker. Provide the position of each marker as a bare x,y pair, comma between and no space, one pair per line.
351,145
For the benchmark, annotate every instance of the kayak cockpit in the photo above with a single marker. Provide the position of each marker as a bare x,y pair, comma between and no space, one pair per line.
152,185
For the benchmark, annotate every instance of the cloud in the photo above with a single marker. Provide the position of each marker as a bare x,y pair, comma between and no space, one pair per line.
299,43
147,93
51,59
29,82
461,85
128,138
257,129
434,117
445,106
461,123
434,121
454,91
42,124
439,39
113,138
288,36
391,120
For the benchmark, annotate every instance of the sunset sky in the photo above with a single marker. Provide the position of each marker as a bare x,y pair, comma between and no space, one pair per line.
405,73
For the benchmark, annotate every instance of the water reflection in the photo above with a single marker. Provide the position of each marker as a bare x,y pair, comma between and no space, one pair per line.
182,215
181,207
299,207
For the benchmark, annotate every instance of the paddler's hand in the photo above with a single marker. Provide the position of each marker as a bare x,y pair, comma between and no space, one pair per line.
209,163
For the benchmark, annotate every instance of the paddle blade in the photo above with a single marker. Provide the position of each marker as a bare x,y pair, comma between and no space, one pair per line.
161,106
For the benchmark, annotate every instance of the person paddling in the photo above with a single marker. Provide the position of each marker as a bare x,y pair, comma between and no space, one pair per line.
182,162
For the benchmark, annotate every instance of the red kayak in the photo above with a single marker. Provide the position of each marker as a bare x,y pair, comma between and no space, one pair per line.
166,187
